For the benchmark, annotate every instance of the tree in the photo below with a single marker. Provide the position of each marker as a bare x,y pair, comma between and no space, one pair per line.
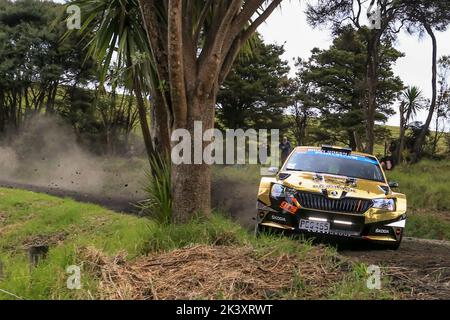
411,101
343,12
34,65
193,46
443,102
117,36
302,107
255,93
337,76
428,16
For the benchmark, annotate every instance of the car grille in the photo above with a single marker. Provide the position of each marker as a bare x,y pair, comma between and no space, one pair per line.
320,202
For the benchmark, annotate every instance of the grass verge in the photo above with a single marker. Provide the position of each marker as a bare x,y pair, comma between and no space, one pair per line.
70,229
428,193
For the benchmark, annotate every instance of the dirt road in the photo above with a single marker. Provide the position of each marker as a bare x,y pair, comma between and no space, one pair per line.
116,203
420,269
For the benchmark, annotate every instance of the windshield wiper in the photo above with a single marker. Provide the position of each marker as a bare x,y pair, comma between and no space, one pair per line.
298,170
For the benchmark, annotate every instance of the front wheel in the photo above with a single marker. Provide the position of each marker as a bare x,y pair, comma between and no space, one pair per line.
258,229
396,244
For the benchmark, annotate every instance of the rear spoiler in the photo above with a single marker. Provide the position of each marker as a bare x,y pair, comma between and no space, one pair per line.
328,148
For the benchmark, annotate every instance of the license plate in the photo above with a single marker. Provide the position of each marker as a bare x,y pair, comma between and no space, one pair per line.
315,226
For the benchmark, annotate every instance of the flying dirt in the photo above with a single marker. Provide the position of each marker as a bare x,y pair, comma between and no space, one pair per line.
47,157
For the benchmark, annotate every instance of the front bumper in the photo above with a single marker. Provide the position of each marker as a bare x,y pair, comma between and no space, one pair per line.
342,225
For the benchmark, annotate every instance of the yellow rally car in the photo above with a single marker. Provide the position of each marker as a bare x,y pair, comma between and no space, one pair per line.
332,191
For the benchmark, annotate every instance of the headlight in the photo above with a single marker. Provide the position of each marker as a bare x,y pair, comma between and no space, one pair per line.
280,191
384,204
277,191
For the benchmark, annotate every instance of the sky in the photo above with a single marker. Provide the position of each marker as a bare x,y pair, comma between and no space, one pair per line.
288,26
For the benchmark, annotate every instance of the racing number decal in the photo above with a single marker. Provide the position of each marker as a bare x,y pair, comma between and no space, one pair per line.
288,207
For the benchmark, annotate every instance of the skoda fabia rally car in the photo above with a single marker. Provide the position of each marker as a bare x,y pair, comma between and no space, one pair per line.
332,191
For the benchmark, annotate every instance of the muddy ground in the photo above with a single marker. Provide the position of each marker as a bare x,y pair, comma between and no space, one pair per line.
420,269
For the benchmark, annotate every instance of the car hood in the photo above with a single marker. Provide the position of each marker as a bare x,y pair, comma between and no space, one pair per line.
336,186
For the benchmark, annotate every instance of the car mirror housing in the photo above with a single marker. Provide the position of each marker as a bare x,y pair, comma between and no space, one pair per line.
273,170
393,184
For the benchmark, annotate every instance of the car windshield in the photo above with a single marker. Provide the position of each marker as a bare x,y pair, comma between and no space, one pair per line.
353,166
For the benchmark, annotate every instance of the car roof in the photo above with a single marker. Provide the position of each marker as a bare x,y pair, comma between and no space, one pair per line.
353,152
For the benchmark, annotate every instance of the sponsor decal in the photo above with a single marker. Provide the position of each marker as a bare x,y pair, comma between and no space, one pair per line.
336,154
288,207
278,218
331,186
384,231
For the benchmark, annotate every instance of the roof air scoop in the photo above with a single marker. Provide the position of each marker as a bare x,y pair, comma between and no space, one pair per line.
352,182
318,177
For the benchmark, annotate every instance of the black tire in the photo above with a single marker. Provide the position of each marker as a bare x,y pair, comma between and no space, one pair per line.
257,230
260,230
396,245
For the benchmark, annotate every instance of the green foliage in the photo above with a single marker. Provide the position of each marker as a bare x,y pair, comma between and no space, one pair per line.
116,27
255,93
40,74
425,184
158,204
337,89
426,187
427,225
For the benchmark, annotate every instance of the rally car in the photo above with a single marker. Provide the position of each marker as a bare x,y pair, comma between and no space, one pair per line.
332,191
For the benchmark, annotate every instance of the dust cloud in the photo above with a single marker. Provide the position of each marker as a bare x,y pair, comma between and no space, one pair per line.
46,153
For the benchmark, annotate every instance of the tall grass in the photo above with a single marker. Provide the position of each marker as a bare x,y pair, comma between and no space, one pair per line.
158,205
426,184
427,189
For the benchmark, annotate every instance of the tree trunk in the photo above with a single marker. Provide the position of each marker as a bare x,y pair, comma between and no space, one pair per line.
159,125
358,141
351,139
401,145
418,146
191,183
143,117
401,139
191,191
372,79
2,112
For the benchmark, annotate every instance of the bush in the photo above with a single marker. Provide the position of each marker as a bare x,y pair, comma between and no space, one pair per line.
159,202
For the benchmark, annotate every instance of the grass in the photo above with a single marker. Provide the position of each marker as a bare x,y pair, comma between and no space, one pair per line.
69,226
426,184
428,193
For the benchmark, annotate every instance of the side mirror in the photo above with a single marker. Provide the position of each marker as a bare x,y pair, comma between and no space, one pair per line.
273,170
393,184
